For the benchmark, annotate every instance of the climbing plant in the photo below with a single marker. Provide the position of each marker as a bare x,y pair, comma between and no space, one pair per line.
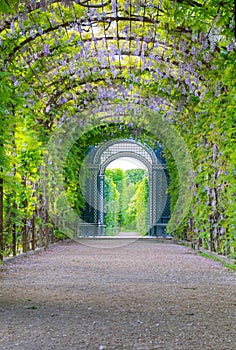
110,61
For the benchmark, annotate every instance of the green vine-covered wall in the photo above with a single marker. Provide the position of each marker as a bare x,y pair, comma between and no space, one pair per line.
68,65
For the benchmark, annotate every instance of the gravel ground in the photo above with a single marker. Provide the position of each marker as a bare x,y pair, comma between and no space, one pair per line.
138,296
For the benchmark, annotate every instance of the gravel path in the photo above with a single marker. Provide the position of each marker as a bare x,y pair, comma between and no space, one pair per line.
144,295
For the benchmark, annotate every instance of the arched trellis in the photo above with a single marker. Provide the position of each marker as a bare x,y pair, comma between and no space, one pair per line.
51,41
108,145
97,161
161,51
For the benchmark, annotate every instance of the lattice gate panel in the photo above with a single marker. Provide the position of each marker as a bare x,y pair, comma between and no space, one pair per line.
159,202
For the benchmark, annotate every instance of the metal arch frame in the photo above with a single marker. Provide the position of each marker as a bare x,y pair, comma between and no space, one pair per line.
150,182
105,145
156,180
126,154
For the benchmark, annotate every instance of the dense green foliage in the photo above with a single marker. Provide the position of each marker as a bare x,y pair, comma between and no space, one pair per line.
111,206
126,200
137,211
64,60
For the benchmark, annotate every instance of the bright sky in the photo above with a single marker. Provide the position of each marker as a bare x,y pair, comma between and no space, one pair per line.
126,163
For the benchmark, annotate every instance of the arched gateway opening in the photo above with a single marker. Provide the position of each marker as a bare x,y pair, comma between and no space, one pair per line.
98,160
126,197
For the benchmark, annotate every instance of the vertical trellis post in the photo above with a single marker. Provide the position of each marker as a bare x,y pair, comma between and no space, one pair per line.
46,229
101,205
33,238
1,220
24,232
14,238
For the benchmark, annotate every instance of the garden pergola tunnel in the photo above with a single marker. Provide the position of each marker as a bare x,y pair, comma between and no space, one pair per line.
87,54
68,65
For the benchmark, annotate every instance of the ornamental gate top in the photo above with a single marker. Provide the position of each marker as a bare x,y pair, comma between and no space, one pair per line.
108,151
101,156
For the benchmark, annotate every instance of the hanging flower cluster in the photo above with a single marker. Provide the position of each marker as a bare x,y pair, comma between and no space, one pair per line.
61,50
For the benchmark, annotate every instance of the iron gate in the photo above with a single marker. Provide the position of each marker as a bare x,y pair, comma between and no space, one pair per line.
97,161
